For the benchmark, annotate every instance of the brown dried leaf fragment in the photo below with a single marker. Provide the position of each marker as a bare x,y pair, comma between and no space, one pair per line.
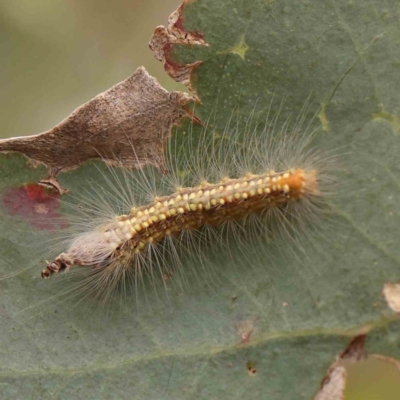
334,383
163,40
391,292
127,124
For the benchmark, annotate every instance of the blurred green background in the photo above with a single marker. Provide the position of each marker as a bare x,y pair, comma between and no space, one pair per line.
57,54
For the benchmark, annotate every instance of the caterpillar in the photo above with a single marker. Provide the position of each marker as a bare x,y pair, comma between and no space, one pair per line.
257,180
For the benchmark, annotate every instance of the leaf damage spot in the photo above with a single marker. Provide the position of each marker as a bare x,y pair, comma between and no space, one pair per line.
164,39
245,330
334,383
391,292
125,125
251,368
36,204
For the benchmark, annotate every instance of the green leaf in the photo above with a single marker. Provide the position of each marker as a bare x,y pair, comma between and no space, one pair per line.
288,323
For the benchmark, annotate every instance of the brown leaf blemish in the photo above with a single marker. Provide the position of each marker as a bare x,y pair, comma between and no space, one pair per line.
334,383
251,368
35,203
355,350
165,38
125,125
391,292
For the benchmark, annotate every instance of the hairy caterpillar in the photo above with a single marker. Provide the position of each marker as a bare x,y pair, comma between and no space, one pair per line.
258,180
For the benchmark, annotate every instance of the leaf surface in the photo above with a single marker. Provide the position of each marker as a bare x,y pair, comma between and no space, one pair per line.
271,331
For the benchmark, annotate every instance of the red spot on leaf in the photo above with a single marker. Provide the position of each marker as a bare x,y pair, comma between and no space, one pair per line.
37,204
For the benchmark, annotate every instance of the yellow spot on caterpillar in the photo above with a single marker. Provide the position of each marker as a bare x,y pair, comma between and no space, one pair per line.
181,210
193,207
154,218
137,227
192,196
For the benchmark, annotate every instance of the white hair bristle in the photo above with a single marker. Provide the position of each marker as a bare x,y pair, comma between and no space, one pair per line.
257,180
